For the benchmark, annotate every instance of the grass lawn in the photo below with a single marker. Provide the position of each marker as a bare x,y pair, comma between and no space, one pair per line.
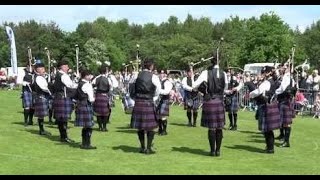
183,151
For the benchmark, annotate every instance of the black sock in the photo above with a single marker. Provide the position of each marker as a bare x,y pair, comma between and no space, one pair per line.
40,122
189,116
287,134
26,115
230,119
150,136
212,140
141,138
195,115
164,124
50,115
219,137
31,112
235,116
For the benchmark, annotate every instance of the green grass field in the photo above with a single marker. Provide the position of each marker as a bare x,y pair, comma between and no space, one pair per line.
183,151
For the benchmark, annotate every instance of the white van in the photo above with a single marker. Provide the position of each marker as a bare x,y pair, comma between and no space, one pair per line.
255,68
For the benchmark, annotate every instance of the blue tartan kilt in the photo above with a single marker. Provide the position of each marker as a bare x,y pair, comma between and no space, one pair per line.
62,108
84,115
268,117
213,114
144,115
163,109
40,106
193,103
232,105
27,101
286,113
101,105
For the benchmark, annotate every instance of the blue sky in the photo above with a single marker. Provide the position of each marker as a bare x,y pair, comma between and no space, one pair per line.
68,17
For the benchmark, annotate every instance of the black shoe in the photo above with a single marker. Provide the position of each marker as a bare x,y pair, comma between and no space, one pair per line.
142,150
45,133
281,138
230,127
105,130
67,140
189,124
217,153
100,129
164,133
212,154
234,128
285,144
30,123
270,151
150,151
87,147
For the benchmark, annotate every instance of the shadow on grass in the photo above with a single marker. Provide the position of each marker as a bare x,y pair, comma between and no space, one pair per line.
130,131
179,124
250,132
127,149
19,123
191,150
127,127
54,138
247,148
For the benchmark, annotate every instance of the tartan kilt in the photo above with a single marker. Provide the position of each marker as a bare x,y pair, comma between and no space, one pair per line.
269,117
233,104
213,114
144,115
27,101
286,113
40,106
62,108
101,106
84,115
163,109
192,103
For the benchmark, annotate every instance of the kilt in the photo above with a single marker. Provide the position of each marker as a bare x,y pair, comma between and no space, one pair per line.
40,106
62,108
101,106
163,109
213,114
232,104
269,117
192,103
144,115
84,115
286,113
27,99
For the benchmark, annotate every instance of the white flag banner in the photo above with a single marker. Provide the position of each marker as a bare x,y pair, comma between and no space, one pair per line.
14,63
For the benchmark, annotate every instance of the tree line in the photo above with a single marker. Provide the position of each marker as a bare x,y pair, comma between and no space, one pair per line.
172,44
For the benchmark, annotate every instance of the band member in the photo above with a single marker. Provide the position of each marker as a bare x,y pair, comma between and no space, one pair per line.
232,100
192,98
146,91
114,84
213,112
101,106
62,102
163,106
27,101
50,100
268,116
41,96
285,93
84,111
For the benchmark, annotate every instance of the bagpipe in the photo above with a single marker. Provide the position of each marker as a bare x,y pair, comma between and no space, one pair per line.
129,91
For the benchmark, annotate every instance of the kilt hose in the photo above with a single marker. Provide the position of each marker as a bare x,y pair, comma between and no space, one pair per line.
41,109
101,105
144,115
213,114
27,100
62,108
84,115
269,117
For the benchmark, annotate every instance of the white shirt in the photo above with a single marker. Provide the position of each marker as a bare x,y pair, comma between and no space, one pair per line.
88,89
43,84
204,78
262,89
66,80
109,78
185,85
311,80
285,83
167,87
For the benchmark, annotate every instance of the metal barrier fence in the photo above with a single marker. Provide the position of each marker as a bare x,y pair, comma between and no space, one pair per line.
304,103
